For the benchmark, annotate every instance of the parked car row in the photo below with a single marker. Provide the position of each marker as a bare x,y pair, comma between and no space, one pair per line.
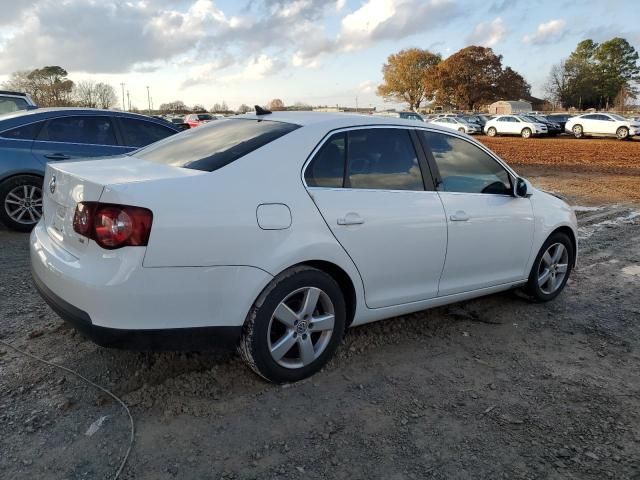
536,124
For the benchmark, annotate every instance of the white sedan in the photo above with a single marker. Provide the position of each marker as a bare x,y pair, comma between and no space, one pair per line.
514,125
459,124
602,124
276,232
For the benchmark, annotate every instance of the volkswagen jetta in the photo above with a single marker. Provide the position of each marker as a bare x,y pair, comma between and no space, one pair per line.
275,232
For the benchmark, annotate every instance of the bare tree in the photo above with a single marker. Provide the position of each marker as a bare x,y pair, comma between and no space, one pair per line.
244,108
275,105
177,106
84,94
105,95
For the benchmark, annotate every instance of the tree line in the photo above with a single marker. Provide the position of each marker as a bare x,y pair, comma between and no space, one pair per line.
594,76
50,87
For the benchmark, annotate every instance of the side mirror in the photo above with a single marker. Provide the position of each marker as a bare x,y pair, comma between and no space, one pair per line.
522,188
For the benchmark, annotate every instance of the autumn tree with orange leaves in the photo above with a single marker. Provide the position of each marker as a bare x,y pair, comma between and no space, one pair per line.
407,76
473,77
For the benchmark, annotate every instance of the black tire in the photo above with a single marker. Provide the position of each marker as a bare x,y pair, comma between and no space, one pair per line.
6,188
622,133
578,131
526,133
461,129
254,342
492,132
532,287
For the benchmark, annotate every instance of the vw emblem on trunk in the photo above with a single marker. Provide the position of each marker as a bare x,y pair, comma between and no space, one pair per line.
52,185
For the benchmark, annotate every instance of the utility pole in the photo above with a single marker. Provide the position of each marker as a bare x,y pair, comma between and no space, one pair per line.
356,104
128,101
149,99
124,105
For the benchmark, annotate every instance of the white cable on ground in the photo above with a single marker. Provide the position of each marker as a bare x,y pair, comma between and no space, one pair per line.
126,455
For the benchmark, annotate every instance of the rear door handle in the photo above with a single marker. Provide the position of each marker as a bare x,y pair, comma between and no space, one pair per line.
57,156
460,216
351,218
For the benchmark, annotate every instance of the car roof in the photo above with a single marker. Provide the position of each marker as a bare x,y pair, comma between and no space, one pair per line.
21,117
331,119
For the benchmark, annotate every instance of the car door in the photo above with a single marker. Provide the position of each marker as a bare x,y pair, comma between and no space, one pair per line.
75,137
502,124
369,186
609,125
490,231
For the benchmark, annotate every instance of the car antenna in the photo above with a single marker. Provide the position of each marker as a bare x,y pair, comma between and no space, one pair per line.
262,111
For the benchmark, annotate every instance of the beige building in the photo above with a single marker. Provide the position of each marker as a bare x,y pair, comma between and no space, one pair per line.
508,107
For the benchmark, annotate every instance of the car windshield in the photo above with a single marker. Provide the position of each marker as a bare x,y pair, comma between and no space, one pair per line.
205,116
620,118
215,144
12,104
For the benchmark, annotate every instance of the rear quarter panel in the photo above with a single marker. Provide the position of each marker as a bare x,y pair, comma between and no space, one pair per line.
16,159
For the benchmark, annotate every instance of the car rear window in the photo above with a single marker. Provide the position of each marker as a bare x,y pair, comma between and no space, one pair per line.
215,144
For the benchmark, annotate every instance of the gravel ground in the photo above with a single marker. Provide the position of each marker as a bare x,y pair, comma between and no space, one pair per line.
493,388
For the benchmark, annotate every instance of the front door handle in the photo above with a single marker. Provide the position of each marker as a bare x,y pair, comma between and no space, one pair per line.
351,218
57,156
460,216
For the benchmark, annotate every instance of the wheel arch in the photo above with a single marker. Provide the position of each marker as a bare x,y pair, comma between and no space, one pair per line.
568,231
343,280
31,173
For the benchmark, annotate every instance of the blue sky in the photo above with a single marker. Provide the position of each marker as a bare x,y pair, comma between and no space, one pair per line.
318,52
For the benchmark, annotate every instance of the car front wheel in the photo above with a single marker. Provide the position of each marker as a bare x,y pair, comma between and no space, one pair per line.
492,132
21,202
551,269
295,325
622,133
526,133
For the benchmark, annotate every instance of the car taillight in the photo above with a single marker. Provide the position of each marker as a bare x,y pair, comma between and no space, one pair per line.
113,226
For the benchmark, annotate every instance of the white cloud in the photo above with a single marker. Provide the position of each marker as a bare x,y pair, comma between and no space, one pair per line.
378,20
549,32
488,34
367,87
117,36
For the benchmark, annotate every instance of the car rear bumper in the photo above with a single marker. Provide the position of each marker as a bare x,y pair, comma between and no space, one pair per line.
111,298
184,339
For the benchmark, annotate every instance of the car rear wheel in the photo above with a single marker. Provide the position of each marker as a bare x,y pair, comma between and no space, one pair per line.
577,131
21,202
295,325
461,130
622,133
492,132
551,268
526,133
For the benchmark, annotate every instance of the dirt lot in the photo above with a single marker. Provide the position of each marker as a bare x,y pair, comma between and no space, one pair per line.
590,170
493,388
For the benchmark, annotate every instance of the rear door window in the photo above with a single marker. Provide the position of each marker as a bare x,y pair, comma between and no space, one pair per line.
139,133
216,144
382,159
327,167
90,130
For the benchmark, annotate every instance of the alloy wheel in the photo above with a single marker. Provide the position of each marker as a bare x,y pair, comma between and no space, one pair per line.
301,327
552,269
23,204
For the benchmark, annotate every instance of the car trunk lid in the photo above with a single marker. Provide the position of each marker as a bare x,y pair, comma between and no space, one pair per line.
68,183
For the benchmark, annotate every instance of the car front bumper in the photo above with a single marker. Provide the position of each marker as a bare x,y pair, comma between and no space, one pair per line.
115,301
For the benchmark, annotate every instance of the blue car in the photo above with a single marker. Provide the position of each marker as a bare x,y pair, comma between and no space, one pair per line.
31,139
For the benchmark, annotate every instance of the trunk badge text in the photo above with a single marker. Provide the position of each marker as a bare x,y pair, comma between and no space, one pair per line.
52,185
